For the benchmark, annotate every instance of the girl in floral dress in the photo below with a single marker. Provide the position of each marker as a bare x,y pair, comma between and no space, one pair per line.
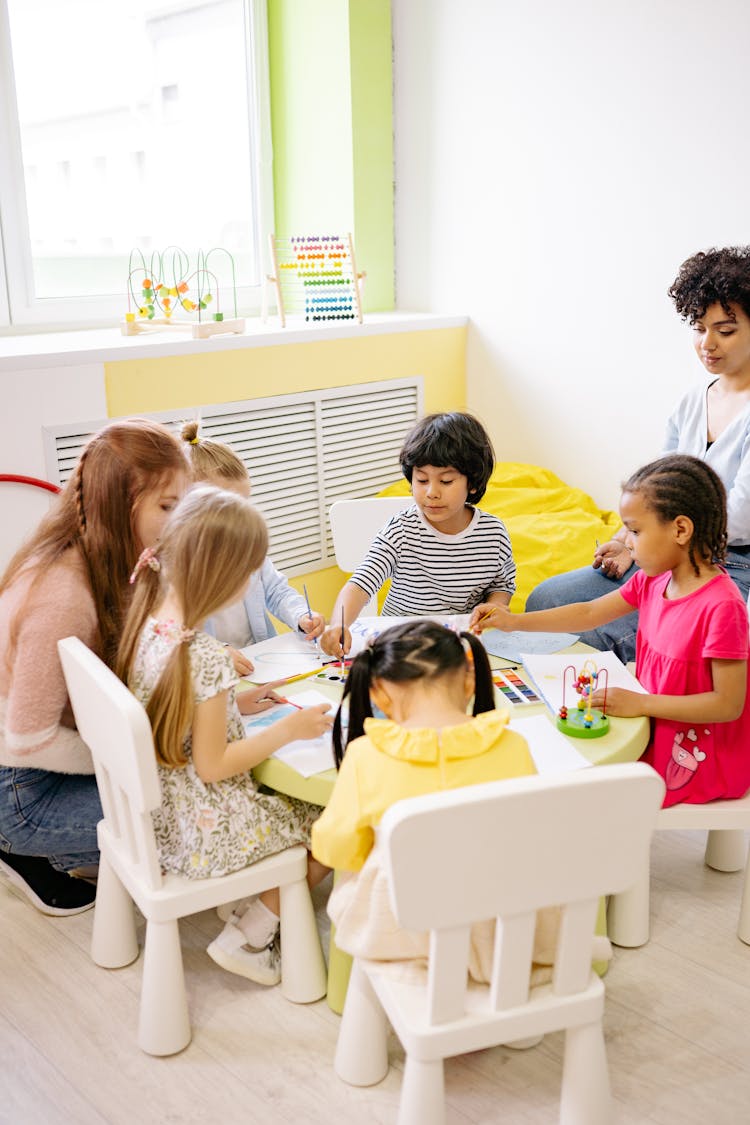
213,818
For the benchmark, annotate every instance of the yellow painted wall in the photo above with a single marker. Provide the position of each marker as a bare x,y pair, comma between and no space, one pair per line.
137,386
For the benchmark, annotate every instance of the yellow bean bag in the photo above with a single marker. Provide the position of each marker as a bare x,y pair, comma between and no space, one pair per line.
552,527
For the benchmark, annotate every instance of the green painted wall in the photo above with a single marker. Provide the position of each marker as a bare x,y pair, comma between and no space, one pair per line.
332,127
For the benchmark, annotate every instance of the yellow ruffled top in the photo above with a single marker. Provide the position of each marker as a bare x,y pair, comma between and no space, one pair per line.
424,744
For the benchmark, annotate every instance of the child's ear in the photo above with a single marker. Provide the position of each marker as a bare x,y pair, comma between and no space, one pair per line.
380,697
470,681
684,528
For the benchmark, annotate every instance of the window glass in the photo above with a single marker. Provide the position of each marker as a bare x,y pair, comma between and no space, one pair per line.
135,132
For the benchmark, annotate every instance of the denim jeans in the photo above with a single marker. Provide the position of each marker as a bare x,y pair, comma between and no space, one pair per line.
586,584
50,814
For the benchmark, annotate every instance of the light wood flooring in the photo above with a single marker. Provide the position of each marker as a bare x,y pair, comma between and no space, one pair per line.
677,1028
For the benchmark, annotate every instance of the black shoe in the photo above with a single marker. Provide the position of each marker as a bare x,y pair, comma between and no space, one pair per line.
50,890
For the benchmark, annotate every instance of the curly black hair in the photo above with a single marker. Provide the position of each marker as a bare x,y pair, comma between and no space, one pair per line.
680,485
711,277
451,440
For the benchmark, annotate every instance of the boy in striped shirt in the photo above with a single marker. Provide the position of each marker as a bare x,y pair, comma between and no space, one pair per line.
442,554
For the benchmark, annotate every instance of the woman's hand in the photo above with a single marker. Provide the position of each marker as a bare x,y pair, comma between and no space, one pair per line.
308,722
256,699
330,641
242,666
312,625
613,558
490,616
620,702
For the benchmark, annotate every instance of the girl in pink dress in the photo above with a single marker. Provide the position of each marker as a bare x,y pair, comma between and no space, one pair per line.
692,642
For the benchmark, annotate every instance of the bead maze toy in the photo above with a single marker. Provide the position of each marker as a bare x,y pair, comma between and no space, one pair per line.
169,295
316,276
584,721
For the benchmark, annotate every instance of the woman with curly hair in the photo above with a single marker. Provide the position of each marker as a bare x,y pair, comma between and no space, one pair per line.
711,292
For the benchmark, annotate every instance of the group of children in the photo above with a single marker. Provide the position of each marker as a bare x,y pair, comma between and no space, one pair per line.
202,589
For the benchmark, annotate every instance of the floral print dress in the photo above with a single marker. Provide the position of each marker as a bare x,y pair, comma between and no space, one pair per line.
212,828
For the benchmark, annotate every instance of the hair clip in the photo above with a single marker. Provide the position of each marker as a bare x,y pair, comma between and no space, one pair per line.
146,558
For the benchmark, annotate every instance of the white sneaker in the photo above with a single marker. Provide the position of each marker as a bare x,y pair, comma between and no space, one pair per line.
231,951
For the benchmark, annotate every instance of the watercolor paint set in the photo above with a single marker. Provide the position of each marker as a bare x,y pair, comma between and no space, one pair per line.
513,689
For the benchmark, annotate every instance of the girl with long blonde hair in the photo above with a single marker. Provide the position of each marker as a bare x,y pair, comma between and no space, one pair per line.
70,578
213,818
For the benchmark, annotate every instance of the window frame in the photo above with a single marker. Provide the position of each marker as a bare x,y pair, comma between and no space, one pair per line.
20,310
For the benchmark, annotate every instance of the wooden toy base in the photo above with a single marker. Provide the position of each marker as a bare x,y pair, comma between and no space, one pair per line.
575,724
199,330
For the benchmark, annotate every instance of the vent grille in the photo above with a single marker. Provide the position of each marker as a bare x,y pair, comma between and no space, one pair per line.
302,452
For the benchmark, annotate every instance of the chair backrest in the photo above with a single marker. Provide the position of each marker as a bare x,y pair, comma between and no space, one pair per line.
505,849
115,727
355,523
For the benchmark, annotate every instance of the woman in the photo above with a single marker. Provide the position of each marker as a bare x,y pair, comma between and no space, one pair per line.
712,292
71,579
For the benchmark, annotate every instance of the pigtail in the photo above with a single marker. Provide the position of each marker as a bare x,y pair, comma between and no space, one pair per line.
148,588
484,688
357,691
170,708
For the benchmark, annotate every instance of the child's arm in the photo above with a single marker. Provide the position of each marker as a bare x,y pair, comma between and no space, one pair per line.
352,600
576,618
215,759
722,705
499,597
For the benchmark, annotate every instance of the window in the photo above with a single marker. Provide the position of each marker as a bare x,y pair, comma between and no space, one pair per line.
128,126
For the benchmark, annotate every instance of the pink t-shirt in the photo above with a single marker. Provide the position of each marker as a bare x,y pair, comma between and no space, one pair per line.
677,640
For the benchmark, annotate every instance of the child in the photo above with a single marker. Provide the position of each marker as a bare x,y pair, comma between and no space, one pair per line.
246,621
443,555
71,578
692,642
213,818
422,676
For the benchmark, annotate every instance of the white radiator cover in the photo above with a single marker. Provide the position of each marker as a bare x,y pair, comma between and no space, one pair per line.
303,452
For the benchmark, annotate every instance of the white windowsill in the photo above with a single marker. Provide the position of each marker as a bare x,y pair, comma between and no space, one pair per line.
101,345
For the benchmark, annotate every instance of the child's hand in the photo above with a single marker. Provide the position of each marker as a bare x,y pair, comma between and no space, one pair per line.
309,722
312,625
330,641
257,699
613,558
488,616
622,703
242,666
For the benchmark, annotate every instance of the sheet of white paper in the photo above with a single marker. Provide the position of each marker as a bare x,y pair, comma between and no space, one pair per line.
365,629
547,674
552,751
306,756
281,657
509,646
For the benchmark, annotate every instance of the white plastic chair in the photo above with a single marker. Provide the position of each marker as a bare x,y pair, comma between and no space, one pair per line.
726,850
116,729
354,525
502,850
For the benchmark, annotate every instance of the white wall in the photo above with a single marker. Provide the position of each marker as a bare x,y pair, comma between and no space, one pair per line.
555,162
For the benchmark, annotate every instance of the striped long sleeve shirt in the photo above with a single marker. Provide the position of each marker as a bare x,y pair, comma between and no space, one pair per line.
436,573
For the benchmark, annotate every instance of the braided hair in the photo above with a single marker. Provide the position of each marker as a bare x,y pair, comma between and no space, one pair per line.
410,652
679,485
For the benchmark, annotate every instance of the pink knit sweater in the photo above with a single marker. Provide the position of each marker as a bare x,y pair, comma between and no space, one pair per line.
37,729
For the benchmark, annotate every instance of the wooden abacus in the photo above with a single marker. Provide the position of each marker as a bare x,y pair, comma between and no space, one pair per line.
316,276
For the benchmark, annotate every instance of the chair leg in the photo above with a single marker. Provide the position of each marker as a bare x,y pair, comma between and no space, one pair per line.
743,930
628,913
423,1093
113,938
585,1098
303,968
726,849
164,1023
362,1048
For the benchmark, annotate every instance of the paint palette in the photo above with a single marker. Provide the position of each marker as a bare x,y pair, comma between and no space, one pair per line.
513,689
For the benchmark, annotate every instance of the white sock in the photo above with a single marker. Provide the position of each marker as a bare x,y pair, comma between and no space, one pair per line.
258,924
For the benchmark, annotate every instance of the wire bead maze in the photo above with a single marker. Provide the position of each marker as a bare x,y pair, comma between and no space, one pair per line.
170,295
316,276
583,720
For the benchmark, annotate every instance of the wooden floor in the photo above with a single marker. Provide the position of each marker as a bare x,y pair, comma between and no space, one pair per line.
677,1027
